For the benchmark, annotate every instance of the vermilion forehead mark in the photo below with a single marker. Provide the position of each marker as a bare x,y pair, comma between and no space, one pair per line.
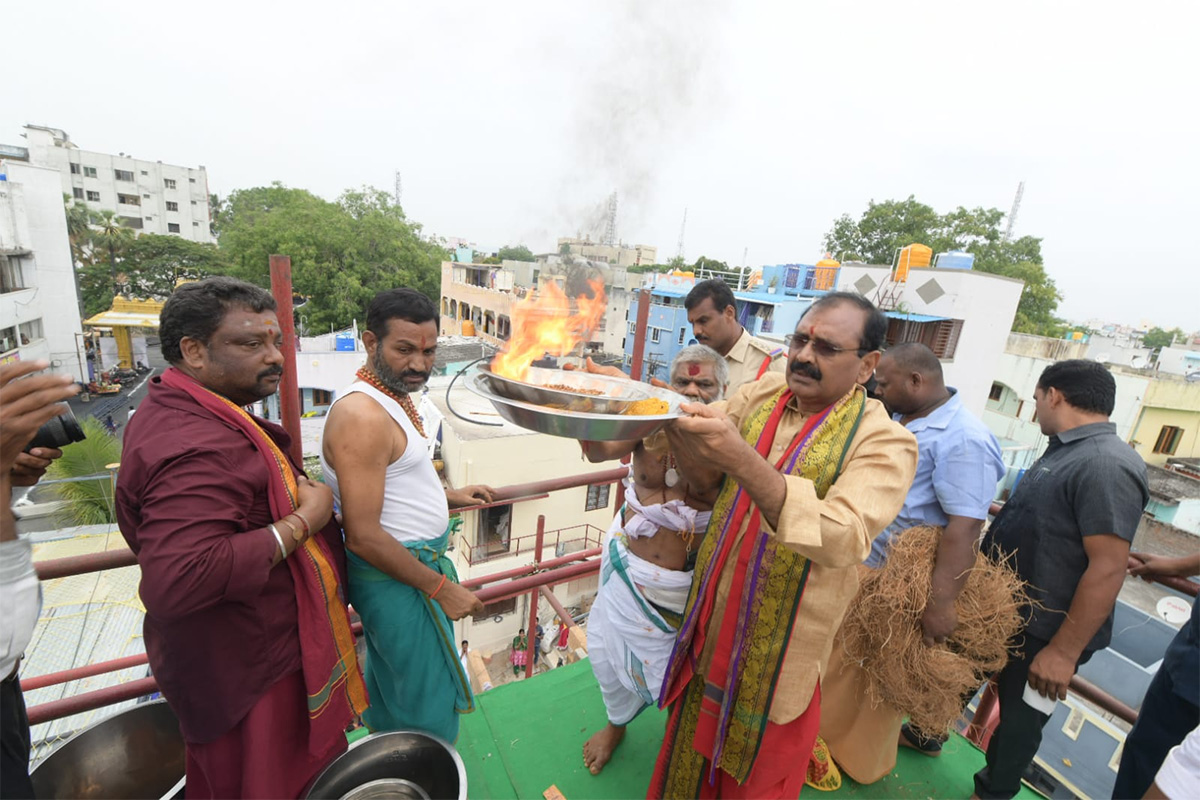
424,342
693,369
812,331
270,323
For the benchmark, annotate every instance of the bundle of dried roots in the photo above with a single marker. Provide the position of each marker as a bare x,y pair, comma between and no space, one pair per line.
882,631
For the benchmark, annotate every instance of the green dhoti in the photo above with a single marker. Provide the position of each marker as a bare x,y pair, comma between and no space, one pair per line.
414,677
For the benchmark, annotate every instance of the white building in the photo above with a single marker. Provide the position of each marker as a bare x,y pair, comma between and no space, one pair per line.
39,311
148,196
964,316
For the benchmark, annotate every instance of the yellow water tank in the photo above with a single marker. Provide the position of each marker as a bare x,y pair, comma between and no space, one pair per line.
824,274
468,328
915,255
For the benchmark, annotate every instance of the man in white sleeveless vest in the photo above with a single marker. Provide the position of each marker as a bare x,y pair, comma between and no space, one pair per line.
375,457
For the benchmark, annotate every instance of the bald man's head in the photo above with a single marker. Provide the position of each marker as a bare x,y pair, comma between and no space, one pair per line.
909,378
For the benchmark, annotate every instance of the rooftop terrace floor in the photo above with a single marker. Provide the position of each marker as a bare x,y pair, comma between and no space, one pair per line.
525,737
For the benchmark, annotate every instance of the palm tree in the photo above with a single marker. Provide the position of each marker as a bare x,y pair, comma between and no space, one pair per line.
111,234
79,233
88,502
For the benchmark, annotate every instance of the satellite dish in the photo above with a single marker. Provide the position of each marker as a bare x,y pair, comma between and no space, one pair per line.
1174,610
1137,362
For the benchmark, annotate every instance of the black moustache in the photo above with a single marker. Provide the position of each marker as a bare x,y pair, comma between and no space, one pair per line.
266,373
408,373
807,370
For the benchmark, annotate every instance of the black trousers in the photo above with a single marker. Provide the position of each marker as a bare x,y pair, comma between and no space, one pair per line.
1016,739
1163,721
14,742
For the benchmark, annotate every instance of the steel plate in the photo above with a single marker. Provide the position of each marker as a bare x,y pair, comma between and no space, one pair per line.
615,394
136,753
425,761
577,424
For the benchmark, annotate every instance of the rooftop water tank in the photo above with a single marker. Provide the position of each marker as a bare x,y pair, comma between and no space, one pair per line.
955,259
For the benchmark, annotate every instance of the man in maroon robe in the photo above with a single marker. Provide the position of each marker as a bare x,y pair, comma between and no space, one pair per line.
250,644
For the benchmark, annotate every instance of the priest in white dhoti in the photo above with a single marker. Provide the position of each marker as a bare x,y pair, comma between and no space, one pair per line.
646,562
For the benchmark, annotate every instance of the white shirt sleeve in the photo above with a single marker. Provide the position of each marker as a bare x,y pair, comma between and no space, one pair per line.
20,602
1179,775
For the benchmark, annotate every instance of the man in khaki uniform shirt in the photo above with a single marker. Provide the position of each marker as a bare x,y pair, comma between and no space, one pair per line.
712,312
834,349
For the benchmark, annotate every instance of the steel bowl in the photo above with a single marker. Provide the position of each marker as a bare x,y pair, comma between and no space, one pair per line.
387,789
615,394
136,753
576,424
426,762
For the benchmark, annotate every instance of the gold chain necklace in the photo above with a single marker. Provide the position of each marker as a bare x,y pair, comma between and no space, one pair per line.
403,399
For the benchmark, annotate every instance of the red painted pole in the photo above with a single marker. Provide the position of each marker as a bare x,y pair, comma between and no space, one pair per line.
78,703
504,493
639,334
531,652
528,569
557,605
503,591
987,715
86,671
635,366
289,388
80,565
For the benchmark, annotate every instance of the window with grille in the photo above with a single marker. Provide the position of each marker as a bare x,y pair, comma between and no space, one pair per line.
172,206
168,183
123,175
77,193
74,168
89,172
321,397
597,497
129,199
172,227
940,336
997,389
1168,440
93,196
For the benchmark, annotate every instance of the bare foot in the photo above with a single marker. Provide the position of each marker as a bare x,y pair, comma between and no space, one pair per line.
599,749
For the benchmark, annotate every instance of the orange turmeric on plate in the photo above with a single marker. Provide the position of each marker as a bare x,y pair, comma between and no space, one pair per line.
651,406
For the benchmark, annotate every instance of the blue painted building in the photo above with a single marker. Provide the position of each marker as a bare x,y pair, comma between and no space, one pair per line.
766,312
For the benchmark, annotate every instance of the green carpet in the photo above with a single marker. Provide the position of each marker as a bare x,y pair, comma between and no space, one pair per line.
524,737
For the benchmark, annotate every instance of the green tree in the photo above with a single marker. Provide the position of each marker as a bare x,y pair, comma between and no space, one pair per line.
154,264
1157,337
518,253
709,263
343,253
886,227
86,502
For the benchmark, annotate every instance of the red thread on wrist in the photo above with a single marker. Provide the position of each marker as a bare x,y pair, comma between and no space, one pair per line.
441,583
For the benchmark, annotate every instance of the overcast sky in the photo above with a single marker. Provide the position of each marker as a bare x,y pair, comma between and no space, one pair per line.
511,122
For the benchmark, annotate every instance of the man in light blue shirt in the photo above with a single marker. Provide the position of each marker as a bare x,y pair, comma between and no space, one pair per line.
958,468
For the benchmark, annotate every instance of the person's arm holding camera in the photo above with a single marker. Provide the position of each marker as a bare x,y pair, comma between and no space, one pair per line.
25,405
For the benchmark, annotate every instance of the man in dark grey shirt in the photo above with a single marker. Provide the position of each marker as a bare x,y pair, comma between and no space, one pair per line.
1067,528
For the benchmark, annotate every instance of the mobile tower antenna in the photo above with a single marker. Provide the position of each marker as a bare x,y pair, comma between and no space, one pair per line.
1012,215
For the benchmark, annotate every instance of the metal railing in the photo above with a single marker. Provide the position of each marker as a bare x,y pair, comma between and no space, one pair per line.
528,578
491,588
563,540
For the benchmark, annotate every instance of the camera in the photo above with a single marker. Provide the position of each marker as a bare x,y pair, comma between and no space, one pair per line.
59,432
